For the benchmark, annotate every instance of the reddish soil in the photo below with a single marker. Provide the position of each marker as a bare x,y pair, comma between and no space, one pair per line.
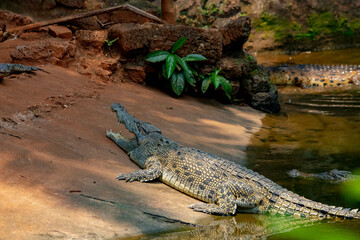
58,168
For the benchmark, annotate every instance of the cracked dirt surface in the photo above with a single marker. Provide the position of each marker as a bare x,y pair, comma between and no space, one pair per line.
58,169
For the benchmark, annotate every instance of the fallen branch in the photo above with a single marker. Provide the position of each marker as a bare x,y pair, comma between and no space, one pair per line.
143,13
83,15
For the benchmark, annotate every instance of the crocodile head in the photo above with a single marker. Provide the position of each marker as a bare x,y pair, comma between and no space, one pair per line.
145,133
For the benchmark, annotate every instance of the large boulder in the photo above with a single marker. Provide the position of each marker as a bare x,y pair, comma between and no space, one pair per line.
259,92
251,82
144,38
235,33
265,101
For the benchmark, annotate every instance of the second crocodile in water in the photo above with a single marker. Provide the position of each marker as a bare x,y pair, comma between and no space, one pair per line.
223,186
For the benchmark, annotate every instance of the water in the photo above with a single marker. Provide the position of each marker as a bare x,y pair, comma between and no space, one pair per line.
315,133
336,57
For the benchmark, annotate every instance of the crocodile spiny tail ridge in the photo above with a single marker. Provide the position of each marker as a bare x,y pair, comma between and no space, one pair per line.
278,200
284,202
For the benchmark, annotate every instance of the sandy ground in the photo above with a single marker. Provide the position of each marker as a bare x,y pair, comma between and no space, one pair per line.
58,169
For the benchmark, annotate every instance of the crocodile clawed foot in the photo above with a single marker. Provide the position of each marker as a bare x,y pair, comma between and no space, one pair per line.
211,208
200,207
126,177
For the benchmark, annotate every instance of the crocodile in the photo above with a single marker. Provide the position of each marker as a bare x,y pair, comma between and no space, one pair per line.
335,175
7,69
307,76
224,186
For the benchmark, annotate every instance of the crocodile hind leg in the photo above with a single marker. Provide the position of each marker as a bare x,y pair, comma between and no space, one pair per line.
126,144
225,204
230,195
153,170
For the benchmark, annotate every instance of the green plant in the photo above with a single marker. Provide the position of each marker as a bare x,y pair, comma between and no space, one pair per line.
210,10
110,42
216,80
175,68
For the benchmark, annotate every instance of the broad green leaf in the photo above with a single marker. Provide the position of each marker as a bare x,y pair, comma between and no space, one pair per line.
178,44
215,80
186,70
163,70
177,82
194,57
227,86
216,72
205,85
157,56
170,65
189,78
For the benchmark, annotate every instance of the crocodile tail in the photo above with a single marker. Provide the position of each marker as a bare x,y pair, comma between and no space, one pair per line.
284,202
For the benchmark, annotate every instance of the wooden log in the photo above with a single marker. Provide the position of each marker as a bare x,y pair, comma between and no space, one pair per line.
145,14
84,15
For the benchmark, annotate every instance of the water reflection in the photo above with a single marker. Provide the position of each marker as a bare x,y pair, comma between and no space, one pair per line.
247,227
336,56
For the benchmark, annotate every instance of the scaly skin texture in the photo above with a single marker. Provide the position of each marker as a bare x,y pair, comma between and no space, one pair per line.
316,75
7,69
225,187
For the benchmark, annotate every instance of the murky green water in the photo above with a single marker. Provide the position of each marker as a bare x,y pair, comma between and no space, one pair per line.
315,133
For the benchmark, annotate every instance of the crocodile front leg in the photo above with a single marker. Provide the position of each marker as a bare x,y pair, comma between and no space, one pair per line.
153,170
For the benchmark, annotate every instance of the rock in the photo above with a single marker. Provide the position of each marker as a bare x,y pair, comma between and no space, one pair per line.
260,80
144,38
48,4
135,73
34,35
126,16
235,68
89,23
91,39
71,3
14,20
49,50
235,33
60,31
266,101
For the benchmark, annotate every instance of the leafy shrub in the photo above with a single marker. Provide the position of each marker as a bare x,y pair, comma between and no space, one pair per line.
216,80
175,68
